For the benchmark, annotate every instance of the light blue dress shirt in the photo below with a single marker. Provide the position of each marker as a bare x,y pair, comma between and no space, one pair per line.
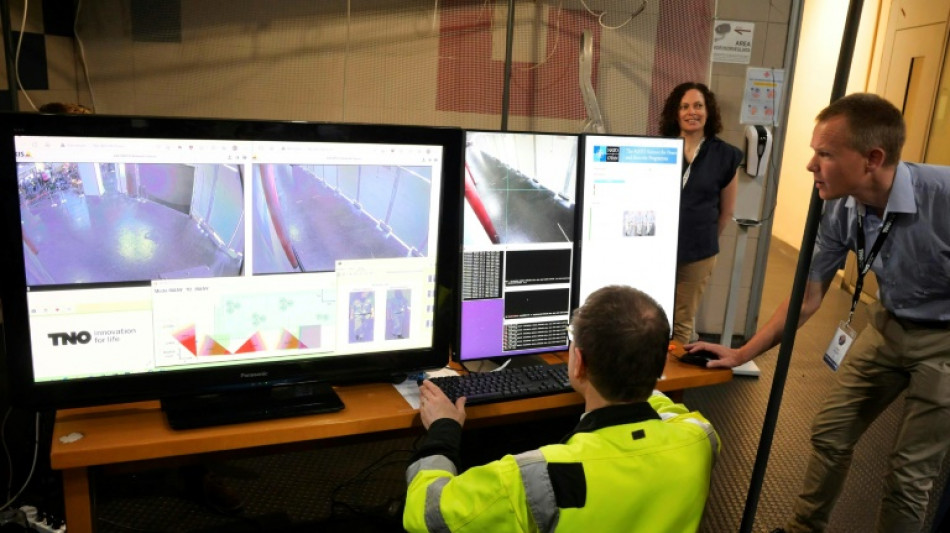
913,266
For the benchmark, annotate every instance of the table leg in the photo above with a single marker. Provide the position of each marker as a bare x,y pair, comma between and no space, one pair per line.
77,500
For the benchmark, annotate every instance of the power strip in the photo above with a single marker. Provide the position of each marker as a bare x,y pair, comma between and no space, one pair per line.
41,523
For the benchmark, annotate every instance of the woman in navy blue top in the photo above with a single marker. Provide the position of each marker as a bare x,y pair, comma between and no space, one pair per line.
710,168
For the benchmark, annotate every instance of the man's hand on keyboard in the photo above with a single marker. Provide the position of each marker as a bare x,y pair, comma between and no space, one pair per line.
434,404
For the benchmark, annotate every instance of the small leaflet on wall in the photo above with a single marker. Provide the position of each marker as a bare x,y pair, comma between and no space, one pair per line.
762,96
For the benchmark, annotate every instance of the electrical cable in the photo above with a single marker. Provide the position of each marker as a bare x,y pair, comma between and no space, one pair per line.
600,16
503,365
363,476
16,57
82,56
557,39
496,369
36,452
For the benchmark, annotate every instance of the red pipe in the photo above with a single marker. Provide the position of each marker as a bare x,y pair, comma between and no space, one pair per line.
269,184
471,194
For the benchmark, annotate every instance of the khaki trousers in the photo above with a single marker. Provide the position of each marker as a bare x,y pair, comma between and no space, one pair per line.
691,281
884,360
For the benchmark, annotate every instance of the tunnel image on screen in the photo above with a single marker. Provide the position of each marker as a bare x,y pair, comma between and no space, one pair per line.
518,230
308,217
125,222
519,188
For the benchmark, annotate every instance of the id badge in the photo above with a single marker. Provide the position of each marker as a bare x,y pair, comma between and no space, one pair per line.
839,345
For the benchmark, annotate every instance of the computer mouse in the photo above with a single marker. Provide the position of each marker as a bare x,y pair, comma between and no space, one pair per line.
698,358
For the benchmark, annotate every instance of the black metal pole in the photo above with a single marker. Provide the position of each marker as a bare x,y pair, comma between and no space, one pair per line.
798,288
509,50
9,53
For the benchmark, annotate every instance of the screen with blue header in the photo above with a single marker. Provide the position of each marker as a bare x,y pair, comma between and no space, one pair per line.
629,221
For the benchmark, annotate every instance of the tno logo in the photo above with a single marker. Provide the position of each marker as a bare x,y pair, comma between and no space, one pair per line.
75,337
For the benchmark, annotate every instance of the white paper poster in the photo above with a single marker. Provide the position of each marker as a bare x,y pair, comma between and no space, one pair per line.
732,41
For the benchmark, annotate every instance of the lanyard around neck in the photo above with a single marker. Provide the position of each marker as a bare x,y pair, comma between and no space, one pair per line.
693,160
864,264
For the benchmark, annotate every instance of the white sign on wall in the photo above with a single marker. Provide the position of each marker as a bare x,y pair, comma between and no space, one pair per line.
732,41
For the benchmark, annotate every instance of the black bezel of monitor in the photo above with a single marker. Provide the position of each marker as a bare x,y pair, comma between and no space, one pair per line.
380,366
529,354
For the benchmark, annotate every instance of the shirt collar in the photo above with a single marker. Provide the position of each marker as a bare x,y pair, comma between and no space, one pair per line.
614,415
900,200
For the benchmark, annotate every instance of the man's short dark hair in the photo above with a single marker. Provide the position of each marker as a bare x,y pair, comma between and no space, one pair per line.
624,336
873,122
669,117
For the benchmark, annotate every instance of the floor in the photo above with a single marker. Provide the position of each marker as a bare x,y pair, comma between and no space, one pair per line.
116,238
358,486
738,411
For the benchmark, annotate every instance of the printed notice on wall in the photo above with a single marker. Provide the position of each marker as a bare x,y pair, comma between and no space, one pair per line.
732,41
762,96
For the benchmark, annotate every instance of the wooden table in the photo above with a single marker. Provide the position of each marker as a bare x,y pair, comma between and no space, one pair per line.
133,432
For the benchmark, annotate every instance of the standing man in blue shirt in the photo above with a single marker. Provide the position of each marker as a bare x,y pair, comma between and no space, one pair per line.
896,216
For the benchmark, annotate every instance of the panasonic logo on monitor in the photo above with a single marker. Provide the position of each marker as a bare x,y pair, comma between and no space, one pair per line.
246,375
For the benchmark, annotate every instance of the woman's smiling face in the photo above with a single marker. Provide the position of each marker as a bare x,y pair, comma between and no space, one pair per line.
692,112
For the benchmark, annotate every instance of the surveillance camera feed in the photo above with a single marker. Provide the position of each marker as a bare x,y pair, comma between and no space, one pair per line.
518,239
161,254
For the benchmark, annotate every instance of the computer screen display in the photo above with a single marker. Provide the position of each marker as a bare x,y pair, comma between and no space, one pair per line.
629,223
518,243
140,250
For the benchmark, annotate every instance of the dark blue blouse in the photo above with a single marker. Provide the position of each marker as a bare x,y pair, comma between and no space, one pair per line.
712,170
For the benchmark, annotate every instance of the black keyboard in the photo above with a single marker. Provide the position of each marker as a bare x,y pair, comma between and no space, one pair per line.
506,384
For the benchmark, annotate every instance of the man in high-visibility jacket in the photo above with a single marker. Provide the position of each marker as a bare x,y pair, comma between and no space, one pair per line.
635,462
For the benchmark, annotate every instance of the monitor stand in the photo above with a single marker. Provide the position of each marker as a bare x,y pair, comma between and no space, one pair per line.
233,406
514,361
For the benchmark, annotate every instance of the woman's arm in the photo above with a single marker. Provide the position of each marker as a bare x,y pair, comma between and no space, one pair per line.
727,202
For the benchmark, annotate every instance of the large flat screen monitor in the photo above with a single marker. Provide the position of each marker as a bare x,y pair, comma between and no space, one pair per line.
629,223
163,258
518,243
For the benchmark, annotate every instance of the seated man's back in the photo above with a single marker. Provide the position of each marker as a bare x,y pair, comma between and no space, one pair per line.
635,462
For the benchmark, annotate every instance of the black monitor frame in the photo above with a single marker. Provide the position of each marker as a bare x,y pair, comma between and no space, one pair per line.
385,366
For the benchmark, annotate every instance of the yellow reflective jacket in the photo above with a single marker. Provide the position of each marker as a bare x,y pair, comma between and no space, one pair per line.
632,467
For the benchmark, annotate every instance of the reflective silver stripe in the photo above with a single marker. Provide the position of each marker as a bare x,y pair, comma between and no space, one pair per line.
431,462
710,434
538,490
435,522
